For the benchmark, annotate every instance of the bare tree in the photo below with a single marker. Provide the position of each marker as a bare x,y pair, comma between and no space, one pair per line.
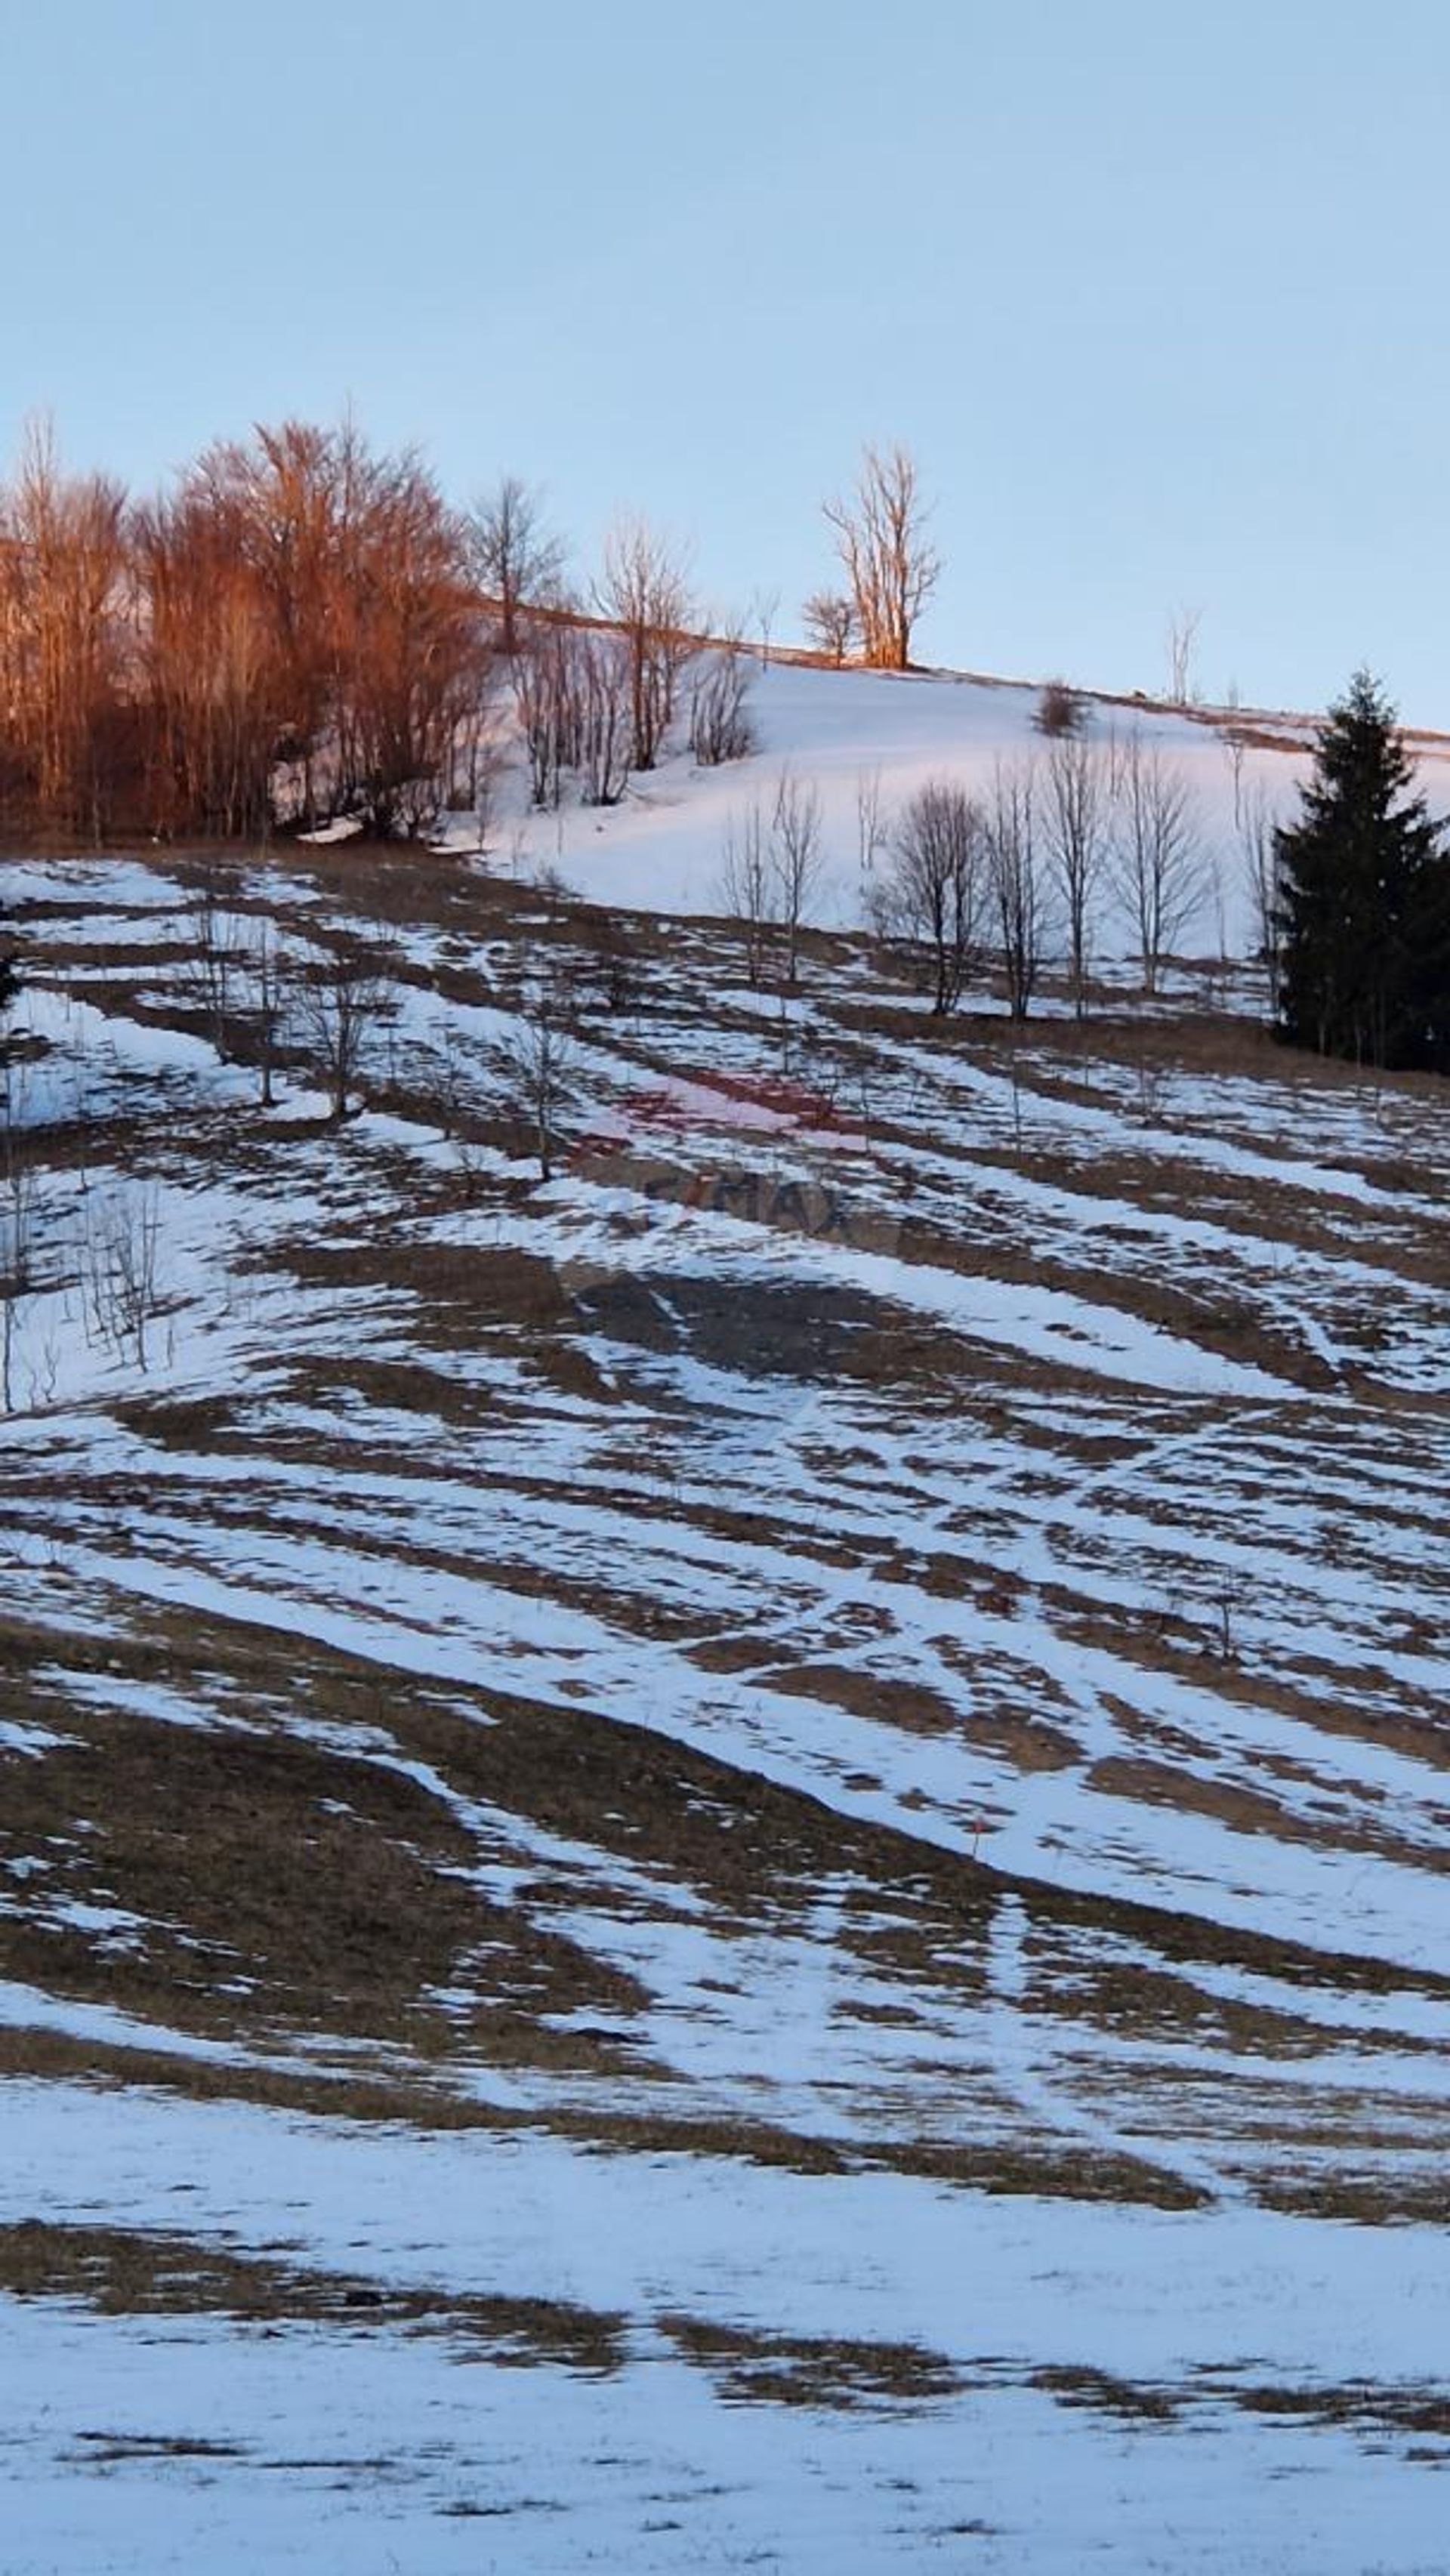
601,683
1157,863
889,564
1061,709
645,591
1076,822
1183,628
515,558
121,1270
872,836
1017,884
795,854
541,1064
547,697
1263,872
212,977
829,618
345,999
764,610
933,895
720,725
17,1228
63,634
267,998
747,885
1234,735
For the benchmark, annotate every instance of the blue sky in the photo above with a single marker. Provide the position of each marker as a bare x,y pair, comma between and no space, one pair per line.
1156,296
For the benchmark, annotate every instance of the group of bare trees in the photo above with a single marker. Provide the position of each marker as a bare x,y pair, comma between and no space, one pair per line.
1006,879
771,869
301,626
64,635
599,681
1000,881
262,994
296,603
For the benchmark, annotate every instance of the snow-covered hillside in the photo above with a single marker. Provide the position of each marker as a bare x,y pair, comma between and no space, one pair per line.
844,731
738,1859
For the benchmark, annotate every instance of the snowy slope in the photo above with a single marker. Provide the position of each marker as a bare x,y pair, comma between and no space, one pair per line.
699,1860
842,731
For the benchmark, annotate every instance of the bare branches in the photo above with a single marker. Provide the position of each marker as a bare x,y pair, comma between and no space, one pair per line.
1182,639
795,848
645,591
344,1000
771,873
601,678
720,726
514,556
764,610
120,1270
890,567
17,1232
1157,860
872,835
541,1066
546,697
1264,875
933,895
64,642
1061,709
1076,819
304,601
746,885
1016,882
829,618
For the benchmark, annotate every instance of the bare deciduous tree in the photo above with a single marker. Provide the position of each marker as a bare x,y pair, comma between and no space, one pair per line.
1015,874
541,1065
720,725
872,835
1264,876
764,610
1157,860
795,852
1061,709
344,1000
17,1228
547,699
746,885
1183,628
602,686
267,996
933,895
1234,734
515,557
829,618
121,1270
644,590
64,641
891,567
213,975
1076,821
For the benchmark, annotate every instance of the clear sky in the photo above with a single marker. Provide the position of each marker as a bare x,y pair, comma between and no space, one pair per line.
1156,295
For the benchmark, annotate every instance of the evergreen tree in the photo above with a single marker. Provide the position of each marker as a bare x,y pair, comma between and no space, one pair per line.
1365,910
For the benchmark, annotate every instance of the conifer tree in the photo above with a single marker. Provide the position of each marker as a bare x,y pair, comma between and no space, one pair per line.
1365,910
